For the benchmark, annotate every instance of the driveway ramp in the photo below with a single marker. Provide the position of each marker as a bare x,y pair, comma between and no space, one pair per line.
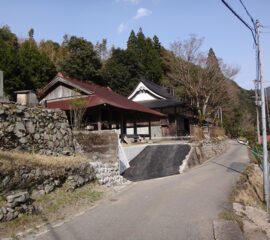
157,161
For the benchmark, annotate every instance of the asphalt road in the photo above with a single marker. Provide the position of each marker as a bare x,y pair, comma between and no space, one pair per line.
157,161
175,207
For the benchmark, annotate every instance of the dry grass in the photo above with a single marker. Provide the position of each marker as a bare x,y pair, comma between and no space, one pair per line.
249,189
9,159
55,206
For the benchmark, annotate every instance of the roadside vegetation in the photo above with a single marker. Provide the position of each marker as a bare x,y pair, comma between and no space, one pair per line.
11,159
56,206
247,191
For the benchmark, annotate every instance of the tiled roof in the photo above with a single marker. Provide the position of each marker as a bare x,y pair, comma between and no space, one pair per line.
98,96
156,89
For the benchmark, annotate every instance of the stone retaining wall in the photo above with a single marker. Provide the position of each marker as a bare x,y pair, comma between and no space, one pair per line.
42,181
108,175
203,151
19,185
36,130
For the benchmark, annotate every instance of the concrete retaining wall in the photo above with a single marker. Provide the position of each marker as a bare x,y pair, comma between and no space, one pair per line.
102,148
132,151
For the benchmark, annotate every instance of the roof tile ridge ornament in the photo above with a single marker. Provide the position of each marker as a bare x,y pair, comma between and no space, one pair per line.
59,74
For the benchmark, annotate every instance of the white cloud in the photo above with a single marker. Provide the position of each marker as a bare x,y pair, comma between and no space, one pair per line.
129,1
121,27
142,12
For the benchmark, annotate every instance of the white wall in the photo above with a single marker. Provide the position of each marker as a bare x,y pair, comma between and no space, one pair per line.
60,92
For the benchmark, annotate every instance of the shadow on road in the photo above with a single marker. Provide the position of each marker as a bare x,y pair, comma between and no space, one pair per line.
234,167
53,233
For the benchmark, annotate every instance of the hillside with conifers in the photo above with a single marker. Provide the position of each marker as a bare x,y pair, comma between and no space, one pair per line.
202,80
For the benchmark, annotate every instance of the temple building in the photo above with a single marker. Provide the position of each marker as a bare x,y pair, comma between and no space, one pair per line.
179,114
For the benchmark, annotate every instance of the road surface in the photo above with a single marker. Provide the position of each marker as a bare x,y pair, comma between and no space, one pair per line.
175,207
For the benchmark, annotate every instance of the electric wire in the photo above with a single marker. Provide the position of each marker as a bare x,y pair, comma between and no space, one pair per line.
247,25
251,18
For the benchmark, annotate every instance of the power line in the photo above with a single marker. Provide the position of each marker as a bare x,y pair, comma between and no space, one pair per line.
251,18
249,27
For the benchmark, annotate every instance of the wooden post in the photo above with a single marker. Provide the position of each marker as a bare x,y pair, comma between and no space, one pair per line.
122,125
149,129
135,127
99,119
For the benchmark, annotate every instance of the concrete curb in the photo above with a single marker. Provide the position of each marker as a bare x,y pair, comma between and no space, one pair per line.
227,230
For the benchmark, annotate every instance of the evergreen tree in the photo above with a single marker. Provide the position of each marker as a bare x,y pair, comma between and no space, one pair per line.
212,60
122,71
36,67
152,62
148,54
132,40
82,61
157,44
9,63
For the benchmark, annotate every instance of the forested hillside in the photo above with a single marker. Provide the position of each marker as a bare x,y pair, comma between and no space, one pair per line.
202,80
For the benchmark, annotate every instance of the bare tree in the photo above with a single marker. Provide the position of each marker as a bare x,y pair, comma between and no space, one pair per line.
77,108
202,77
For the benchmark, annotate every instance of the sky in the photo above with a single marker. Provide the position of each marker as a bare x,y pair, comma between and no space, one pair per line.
170,20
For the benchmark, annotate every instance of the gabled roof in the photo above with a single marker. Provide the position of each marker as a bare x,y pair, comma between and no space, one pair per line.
163,98
156,89
96,95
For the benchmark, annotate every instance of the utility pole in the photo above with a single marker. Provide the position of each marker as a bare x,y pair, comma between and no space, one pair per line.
257,109
265,152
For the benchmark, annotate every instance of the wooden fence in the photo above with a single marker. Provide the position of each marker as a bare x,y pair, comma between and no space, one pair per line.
198,133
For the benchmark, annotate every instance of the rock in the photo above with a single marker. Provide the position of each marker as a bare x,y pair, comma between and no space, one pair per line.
10,128
4,210
17,198
19,129
46,173
50,145
37,136
80,181
57,183
48,188
38,173
30,127
10,216
37,193
11,205
46,136
5,181
23,140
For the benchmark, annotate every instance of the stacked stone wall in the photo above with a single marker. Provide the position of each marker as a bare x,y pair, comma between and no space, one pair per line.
203,151
36,130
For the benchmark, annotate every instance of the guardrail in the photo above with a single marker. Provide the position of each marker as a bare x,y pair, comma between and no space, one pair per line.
259,156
